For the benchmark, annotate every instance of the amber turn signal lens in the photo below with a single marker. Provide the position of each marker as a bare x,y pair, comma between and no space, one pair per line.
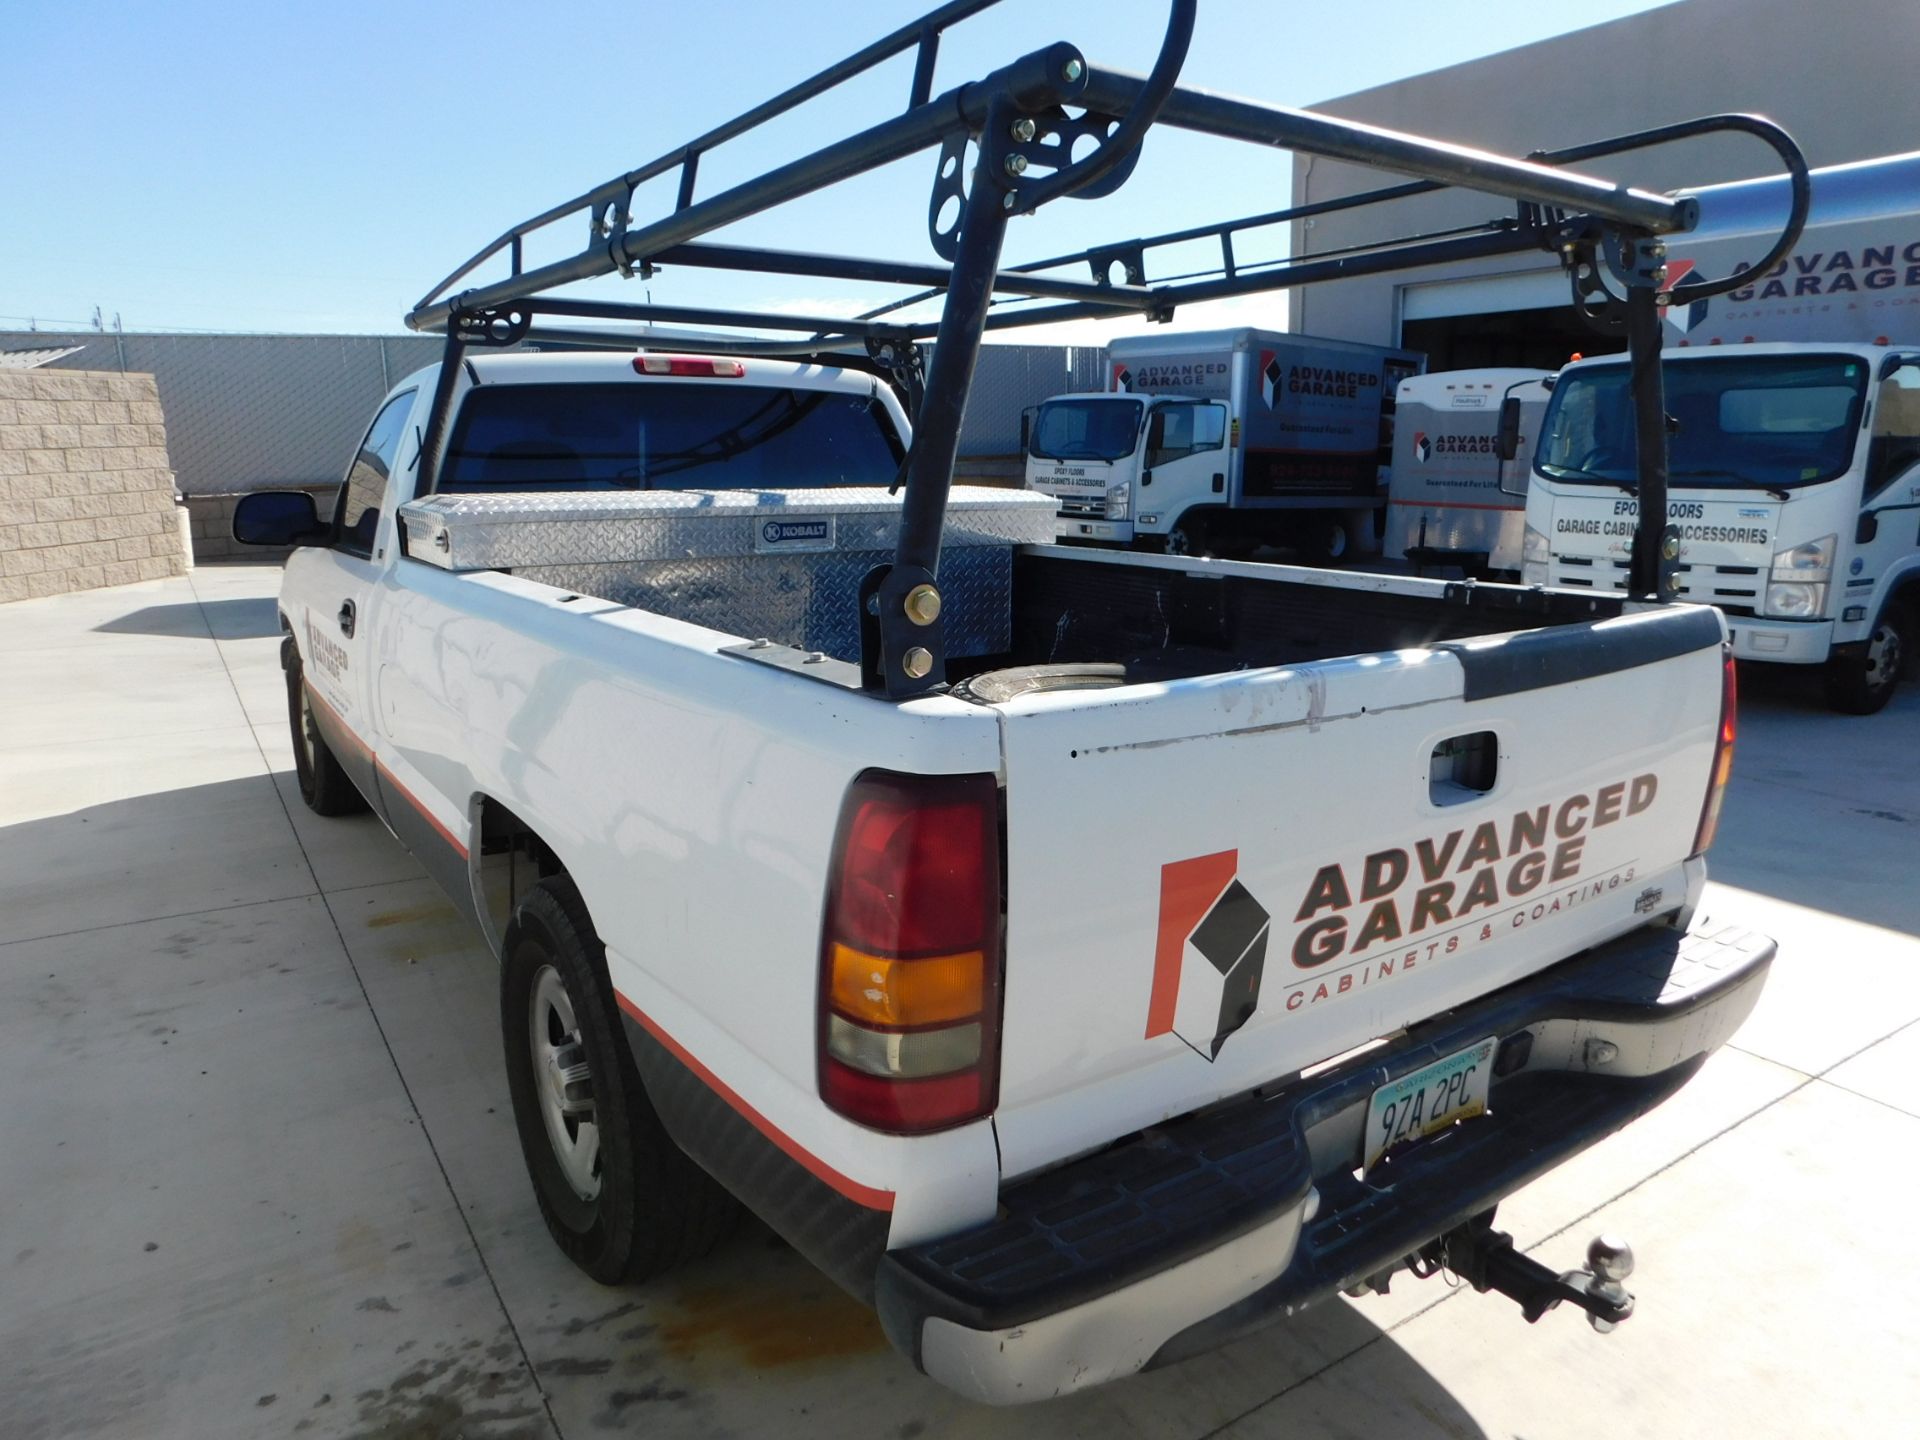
937,990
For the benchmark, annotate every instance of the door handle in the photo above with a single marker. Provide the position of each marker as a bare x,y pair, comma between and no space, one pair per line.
1219,484
346,618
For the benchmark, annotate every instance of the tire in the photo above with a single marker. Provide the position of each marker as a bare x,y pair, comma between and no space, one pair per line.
620,1199
1862,683
1327,541
324,785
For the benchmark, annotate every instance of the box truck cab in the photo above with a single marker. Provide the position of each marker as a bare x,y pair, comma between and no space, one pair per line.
1794,485
1219,441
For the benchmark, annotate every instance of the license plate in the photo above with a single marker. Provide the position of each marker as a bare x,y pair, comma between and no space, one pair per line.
1429,1099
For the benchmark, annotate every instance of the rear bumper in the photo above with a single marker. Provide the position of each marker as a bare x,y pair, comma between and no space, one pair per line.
1183,1237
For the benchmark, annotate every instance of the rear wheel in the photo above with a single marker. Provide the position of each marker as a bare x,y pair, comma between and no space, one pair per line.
324,785
1326,540
618,1196
1862,682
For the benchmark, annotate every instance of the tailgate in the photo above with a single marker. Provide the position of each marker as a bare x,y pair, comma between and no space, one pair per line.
1217,882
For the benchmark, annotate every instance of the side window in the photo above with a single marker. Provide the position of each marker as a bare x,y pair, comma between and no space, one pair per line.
1896,428
1178,431
356,513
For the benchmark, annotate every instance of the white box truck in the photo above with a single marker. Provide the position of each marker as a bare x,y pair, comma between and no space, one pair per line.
1452,499
1795,437
1219,441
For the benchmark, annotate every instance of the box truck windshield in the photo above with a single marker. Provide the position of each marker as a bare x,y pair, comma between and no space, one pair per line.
1759,422
1086,429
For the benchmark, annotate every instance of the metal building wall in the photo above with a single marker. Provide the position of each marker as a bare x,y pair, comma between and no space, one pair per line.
1009,378
251,411
1839,77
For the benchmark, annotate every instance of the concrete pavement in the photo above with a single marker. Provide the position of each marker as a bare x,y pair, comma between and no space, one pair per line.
258,1174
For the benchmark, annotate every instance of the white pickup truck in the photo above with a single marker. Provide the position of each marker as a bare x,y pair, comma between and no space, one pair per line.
1396,879
839,948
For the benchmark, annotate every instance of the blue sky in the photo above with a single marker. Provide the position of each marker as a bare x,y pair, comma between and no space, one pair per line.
317,167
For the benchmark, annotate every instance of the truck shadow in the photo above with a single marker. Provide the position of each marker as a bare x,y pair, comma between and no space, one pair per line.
247,618
210,893
753,1331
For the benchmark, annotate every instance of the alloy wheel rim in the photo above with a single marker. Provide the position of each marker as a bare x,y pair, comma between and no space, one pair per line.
563,1082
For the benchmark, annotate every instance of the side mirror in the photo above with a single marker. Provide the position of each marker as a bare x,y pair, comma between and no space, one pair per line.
279,518
1508,443
1026,429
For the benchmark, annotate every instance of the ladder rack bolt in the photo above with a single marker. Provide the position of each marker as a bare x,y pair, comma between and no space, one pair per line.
1072,71
1024,129
917,662
1671,548
1016,164
923,605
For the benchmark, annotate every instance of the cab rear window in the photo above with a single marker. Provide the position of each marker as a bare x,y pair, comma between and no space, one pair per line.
667,437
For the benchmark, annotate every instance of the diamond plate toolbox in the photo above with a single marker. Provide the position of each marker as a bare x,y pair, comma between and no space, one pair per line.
785,565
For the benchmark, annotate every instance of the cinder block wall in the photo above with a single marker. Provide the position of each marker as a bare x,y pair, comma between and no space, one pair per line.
86,491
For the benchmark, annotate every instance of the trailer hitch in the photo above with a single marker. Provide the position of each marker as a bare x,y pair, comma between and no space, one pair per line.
1486,1259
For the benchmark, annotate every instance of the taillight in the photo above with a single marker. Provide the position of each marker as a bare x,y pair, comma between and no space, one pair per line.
700,365
910,953
1722,760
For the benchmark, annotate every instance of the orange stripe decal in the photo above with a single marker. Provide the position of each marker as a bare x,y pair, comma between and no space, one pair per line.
392,779
425,814
852,1189
1187,889
346,730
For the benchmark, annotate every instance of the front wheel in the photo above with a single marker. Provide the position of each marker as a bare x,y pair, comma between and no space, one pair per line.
1861,683
324,785
618,1196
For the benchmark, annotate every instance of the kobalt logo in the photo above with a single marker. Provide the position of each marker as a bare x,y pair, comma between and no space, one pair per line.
778,532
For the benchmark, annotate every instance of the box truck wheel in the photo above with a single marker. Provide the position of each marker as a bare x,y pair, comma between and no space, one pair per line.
1325,537
1861,679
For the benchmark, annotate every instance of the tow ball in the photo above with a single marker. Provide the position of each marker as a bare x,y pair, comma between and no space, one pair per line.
1485,1258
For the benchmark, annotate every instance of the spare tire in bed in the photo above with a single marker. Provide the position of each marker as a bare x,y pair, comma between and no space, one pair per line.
994,687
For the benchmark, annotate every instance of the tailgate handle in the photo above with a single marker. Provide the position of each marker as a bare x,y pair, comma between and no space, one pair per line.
1463,767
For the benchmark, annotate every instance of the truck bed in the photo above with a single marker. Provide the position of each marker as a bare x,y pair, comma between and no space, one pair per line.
1164,618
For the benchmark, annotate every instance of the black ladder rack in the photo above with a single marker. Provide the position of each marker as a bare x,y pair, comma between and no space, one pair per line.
1026,119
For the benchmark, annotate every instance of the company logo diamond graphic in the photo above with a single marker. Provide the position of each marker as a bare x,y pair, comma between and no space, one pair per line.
1681,315
1422,446
1271,375
1211,953
1122,378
